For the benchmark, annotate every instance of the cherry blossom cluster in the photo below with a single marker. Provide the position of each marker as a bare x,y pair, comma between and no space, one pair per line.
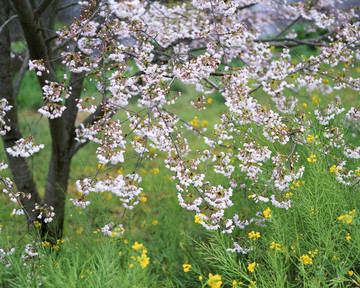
38,66
44,212
4,107
124,187
24,148
52,92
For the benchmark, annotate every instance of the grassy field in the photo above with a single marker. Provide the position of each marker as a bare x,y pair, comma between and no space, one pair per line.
316,243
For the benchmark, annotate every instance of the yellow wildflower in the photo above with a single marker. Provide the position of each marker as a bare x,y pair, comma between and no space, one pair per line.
306,260
310,139
348,237
143,260
347,218
195,122
312,158
252,266
351,272
186,267
137,246
155,171
254,235
267,213
209,100
275,246
204,123
46,244
197,219
79,231
214,281
155,222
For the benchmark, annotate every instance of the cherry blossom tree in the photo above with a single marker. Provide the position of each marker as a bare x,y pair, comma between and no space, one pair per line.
240,49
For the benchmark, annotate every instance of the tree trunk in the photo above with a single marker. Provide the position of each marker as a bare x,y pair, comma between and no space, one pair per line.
62,130
62,151
21,173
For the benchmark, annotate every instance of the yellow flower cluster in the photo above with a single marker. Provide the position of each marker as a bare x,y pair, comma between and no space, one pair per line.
313,212
276,246
348,237
204,123
214,281
311,139
252,266
296,184
195,122
143,199
142,259
267,213
254,235
186,267
137,246
312,158
347,218
306,259
236,284
252,284
333,169
198,219
155,171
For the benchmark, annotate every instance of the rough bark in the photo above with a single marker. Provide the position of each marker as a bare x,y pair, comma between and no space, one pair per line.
21,173
62,130
59,169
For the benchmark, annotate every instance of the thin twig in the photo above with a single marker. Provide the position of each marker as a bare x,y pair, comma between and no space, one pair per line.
7,22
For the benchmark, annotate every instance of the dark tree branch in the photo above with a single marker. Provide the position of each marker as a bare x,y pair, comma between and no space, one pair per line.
67,6
41,8
21,173
24,67
7,22
62,136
